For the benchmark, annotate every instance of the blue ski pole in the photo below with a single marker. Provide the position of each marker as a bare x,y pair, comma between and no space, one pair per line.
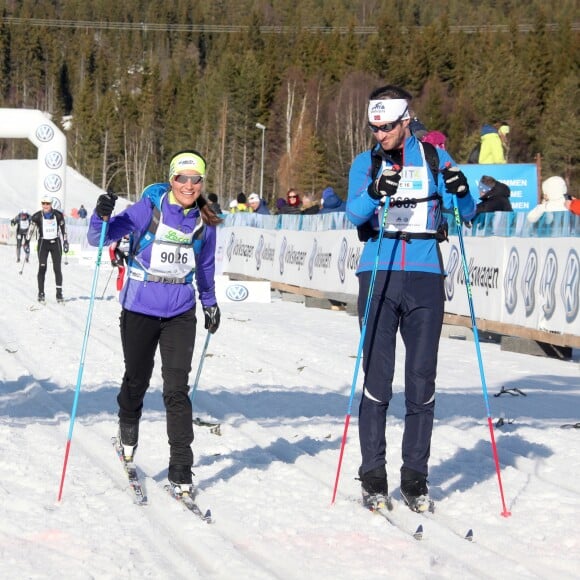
83,355
506,513
200,366
361,344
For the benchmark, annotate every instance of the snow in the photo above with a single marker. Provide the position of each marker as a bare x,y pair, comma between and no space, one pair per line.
277,377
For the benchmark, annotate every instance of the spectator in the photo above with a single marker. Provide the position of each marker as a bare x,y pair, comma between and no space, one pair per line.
417,128
573,204
233,205
493,196
82,213
242,202
491,147
214,204
554,192
331,201
257,204
436,138
281,203
309,205
22,223
503,130
293,203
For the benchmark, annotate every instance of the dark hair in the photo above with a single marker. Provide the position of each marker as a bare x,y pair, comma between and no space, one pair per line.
241,197
488,180
391,92
212,197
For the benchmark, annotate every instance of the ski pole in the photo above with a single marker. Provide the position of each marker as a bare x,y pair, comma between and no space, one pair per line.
22,267
26,257
360,345
199,367
83,354
107,284
505,513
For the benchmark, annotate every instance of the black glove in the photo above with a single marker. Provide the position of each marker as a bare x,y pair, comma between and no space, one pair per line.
105,205
212,318
386,184
455,181
65,247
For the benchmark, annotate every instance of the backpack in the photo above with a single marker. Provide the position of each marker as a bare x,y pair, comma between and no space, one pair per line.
366,230
474,155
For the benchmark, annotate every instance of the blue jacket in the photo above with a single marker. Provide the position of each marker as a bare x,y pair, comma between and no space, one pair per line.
263,208
415,255
331,201
158,298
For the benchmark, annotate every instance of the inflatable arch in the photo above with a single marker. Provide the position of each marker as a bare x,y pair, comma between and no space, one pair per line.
35,126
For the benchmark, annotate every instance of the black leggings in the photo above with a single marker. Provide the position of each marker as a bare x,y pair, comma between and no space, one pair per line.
53,248
140,336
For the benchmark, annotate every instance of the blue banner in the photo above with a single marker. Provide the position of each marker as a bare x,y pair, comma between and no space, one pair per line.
521,178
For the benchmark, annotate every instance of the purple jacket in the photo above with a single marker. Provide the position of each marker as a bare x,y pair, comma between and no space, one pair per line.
158,298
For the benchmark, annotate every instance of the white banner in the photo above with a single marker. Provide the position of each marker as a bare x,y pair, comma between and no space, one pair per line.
530,282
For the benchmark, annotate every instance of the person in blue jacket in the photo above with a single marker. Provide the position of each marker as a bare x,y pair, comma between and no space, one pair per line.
331,201
394,182
173,240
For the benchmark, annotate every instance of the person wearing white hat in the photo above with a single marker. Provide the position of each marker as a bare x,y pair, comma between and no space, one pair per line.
50,227
554,190
257,204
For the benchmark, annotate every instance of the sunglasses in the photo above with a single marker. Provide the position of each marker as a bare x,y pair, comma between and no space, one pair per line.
195,179
386,128
46,203
292,196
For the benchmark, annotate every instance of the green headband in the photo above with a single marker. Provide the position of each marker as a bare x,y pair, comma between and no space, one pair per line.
185,161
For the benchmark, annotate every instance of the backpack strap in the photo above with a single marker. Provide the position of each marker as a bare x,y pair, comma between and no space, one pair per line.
149,235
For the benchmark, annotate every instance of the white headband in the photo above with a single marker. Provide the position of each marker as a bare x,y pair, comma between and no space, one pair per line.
388,110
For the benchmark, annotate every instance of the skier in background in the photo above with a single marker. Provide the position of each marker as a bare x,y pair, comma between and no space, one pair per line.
48,223
22,223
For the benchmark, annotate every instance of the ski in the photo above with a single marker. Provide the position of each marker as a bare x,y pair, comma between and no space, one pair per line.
214,428
189,503
385,511
131,471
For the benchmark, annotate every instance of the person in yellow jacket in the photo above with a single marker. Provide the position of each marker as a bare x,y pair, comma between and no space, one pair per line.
491,150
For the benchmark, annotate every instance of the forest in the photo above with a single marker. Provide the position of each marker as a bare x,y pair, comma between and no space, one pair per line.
132,82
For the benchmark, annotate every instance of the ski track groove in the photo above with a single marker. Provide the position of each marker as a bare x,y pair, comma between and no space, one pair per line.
198,550
445,536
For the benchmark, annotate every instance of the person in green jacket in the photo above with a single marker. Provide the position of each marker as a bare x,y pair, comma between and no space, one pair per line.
491,150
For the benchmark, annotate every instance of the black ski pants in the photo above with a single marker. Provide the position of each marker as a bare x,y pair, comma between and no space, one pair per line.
140,336
412,302
46,247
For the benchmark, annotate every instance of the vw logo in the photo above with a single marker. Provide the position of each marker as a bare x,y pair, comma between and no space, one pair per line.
258,253
237,293
283,254
509,281
44,133
548,284
529,281
52,182
341,263
312,258
230,247
452,264
53,160
570,286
